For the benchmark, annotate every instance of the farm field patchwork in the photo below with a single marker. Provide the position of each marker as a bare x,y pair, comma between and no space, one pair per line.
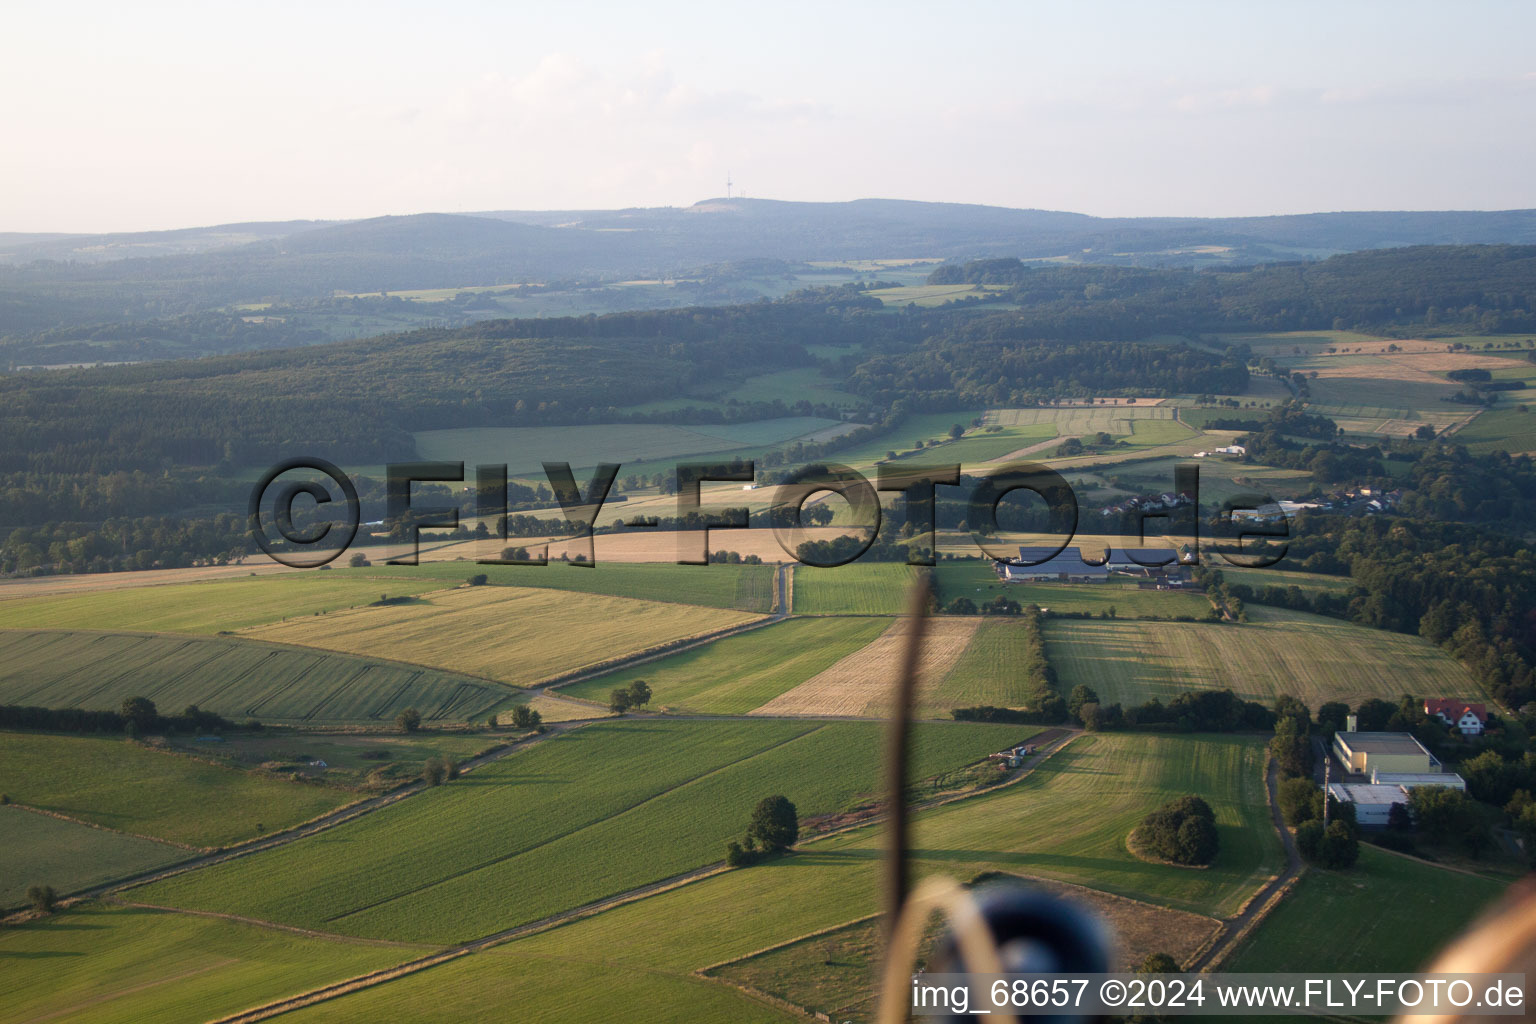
43,850
233,677
1371,927
863,682
201,607
1313,658
570,820
109,963
733,675
505,633
1092,799
134,789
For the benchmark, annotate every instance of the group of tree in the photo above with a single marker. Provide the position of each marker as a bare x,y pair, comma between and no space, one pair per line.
136,716
625,698
774,827
1182,830
437,770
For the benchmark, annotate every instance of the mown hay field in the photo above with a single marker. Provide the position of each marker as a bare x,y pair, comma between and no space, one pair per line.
864,682
743,587
1360,920
1313,658
572,819
153,793
860,588
208,607
111,964
516,635
733,675
230,676
43,850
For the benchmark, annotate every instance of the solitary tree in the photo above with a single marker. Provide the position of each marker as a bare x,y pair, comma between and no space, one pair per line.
435,771
618,699
775,823
639,693
479,579
408,720
525,717
42,898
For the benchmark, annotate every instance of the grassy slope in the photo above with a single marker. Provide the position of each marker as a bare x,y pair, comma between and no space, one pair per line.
1314,658
745,587
734,675
125,786
233,677
587,814
862,588
505,633
1505,428
148,966
202,607
1360,920
40,850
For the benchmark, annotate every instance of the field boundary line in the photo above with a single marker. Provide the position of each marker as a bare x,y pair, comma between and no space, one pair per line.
108,828
56,1014
256,922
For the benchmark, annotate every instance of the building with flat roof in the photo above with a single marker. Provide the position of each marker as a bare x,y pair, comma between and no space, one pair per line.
1412,780
1362,753
1373,804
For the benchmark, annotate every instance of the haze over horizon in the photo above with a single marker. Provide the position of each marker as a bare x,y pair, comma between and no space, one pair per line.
174,116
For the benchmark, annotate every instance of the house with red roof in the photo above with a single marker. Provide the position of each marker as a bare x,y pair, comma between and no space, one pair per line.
1469,718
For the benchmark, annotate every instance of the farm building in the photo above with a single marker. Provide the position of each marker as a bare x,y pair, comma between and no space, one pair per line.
1469,718
1364,753
1069,566
1373,804
1413,780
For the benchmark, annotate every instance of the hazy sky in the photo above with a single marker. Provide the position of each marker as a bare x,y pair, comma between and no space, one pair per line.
151,115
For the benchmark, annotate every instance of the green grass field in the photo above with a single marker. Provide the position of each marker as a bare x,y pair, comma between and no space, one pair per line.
1310,657
202,607
925,427
233,677
1067,820
41,850
369,761
860,588
1220,478
975,579
982,444
1505,428
1359,920
744,587
573,819
517,635
112,964
128,787
734,675
525,449
986,672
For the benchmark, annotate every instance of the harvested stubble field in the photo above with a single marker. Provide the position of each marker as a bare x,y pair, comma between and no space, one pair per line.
513,634
861,683
1313,658
168,796
733,675
633,546
43,850
1068,820
575,818
113,964
230,676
